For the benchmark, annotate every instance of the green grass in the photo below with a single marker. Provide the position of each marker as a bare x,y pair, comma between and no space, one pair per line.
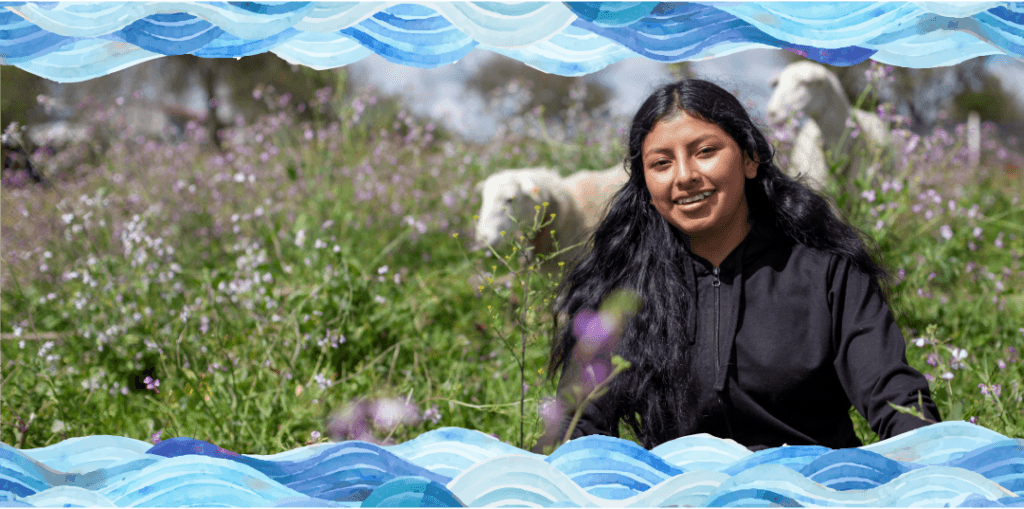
233,278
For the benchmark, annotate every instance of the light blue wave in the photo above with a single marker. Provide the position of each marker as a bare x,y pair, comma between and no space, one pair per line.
450,451
85,454
72,41
86,59
196,480
936,444
701,452
951,463
573,52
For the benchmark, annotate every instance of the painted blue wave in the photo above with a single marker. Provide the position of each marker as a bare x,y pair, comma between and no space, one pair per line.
953,463
71,41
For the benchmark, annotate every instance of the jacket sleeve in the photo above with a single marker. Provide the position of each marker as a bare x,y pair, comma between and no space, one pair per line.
598,418
871,359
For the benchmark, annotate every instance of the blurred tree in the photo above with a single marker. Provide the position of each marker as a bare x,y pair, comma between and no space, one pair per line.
537,88
18,91
921,94
169,86
680,70
232,81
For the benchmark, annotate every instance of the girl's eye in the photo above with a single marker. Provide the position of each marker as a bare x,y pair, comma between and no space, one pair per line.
706,150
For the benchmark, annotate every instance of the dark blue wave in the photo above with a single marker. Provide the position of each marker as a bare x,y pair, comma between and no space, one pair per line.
854,469
170,34
272,9
794,456
227,45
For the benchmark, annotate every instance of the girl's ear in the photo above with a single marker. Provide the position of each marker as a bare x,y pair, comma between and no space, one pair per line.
750,165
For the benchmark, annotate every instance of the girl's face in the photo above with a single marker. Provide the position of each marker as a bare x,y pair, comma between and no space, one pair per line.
695,173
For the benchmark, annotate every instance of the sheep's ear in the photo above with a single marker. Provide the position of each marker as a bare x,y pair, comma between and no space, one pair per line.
479,188
529,188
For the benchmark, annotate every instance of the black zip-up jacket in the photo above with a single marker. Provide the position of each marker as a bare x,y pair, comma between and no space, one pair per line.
787,337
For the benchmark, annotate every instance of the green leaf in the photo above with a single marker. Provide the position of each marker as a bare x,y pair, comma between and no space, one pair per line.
303,222
50,322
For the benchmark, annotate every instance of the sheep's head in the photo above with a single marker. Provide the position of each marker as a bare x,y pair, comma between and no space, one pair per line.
805,87
507,197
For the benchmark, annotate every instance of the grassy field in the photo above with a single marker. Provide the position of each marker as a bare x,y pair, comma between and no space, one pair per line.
314,281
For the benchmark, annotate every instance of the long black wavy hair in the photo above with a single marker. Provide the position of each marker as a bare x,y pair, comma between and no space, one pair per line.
634,247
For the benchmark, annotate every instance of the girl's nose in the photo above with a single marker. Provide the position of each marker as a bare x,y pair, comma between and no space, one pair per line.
684,172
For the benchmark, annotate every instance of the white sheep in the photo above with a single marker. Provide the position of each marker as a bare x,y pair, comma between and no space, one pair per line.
579,202
593,190
811,88
511,195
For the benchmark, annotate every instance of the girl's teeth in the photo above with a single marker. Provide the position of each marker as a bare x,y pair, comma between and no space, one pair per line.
694,199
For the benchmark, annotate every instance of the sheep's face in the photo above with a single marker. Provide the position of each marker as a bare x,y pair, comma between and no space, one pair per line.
504,195
805,87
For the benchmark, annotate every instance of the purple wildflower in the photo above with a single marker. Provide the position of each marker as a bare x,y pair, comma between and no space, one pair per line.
152,384
350,423
390,412
432,414
958,355
593,331
594,373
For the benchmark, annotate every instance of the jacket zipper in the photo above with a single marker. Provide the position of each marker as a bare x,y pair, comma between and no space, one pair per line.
717,283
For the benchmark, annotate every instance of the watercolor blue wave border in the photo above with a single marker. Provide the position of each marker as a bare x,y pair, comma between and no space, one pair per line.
73,41
953,464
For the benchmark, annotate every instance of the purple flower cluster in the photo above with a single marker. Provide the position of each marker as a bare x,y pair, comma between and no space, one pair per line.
365,419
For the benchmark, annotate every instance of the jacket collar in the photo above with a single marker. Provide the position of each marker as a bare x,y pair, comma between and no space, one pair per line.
759,239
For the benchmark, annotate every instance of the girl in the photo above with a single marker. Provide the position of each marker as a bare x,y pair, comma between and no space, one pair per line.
763,315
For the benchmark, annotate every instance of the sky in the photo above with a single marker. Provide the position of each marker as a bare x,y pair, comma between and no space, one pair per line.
440,93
